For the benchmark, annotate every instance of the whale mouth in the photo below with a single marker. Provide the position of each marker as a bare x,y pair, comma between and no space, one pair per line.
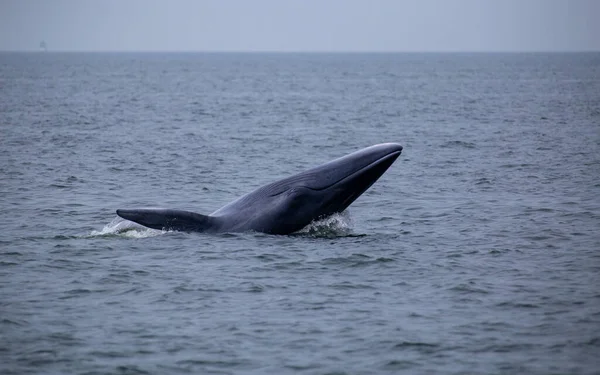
372,161
346,190
381,163
370,172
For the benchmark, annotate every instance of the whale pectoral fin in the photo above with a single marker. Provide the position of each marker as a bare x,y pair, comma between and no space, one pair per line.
167,219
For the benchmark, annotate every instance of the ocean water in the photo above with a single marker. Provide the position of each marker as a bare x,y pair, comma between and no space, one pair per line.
477,252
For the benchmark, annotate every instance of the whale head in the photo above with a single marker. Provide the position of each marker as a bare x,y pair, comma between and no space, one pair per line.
288,205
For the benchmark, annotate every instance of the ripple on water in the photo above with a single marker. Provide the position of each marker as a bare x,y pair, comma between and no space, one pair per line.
458,144
476,252
357,260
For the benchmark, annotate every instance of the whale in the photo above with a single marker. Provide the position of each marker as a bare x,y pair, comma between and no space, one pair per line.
284,206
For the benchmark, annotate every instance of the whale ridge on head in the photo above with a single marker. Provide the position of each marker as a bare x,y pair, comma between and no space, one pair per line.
287,205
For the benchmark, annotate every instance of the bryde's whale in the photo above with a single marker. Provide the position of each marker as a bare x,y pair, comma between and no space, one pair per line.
284,206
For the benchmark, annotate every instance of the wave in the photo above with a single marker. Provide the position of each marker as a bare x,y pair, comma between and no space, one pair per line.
125,228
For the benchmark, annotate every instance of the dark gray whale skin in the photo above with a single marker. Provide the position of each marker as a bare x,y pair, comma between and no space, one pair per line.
284,206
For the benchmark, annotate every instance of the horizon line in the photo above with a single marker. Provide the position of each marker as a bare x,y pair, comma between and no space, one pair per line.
295,51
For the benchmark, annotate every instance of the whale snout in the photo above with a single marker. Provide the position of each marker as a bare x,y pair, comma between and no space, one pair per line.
132,215
388,148
145,216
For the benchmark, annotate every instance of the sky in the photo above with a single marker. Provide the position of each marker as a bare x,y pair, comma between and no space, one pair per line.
301,25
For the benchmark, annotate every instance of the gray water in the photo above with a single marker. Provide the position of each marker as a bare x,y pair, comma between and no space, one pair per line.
478,251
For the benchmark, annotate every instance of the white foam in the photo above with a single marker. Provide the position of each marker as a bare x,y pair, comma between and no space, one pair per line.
126,228
336,225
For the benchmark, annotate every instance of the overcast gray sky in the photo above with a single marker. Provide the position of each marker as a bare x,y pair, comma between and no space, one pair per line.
301,25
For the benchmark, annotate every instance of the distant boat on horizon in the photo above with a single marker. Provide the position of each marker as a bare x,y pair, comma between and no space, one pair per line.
43,46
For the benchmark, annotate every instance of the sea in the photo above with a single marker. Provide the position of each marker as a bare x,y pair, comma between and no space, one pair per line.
477,252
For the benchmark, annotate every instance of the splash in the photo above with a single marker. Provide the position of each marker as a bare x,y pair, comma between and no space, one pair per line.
125,228
336,225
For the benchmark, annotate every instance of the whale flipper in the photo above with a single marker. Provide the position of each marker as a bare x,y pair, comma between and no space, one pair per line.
167,219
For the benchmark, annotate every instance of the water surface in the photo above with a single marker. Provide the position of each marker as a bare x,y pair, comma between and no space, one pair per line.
476,252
